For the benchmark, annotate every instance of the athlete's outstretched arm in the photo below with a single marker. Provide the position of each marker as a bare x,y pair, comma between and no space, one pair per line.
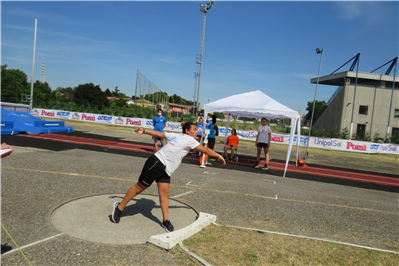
153,133
210,153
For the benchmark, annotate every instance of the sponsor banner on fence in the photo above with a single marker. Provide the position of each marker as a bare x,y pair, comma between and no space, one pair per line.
324,143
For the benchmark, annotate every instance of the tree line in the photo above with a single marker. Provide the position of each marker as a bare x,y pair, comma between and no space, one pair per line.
84,97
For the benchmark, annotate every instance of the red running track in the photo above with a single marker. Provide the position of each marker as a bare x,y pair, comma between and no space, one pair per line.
310,170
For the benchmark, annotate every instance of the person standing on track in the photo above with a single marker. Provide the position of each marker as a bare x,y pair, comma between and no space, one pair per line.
263,141
200,124
213,132
160,167
159,123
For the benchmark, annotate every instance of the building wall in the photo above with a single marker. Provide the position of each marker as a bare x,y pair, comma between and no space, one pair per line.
376,97
332,117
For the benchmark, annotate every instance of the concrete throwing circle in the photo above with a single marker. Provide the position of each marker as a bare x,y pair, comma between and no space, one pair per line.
89,218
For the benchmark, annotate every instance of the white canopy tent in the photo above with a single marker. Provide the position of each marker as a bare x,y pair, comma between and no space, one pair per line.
256,104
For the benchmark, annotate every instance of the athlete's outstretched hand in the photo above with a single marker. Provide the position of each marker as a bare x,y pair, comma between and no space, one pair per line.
139,131
221,159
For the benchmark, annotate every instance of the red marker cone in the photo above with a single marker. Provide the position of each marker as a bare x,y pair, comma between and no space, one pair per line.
301,163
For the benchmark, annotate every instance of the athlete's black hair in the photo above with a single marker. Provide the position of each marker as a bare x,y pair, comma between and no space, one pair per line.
214,119
235,131
263,118
159,110
186,126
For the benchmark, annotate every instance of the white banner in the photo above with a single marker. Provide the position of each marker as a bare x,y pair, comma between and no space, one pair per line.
324,143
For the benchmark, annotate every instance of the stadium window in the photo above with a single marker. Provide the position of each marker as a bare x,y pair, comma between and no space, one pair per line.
396,113
363,109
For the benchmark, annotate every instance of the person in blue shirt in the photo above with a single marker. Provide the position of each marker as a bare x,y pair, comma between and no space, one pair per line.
214,131
159,123
199,128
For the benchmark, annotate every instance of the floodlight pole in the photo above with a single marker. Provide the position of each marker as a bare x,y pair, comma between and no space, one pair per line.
354,98
204,8
390,106
33,69
314,101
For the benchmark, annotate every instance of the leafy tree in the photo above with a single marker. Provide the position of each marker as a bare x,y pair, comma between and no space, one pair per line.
65,90
344,134
56,96
115,91
41,91
320,105
179,100
13,84
108,93
66,93
219,115
121,102
89,95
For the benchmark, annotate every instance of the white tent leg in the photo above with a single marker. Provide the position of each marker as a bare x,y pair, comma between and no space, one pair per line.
204,141
298,135
293,125
225,135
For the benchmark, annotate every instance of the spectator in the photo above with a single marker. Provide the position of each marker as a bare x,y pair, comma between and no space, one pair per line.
232,143
263,141
200,123
159,123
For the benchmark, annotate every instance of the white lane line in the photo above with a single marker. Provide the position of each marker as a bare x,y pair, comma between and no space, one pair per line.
204,262
182,194
189,184
269,197
32,244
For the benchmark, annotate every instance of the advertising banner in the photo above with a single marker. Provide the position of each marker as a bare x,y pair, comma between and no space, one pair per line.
323,143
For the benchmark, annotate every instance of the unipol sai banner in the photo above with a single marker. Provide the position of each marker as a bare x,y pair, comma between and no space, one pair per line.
323,143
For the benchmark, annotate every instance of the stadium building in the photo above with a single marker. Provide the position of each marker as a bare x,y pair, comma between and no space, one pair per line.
372,104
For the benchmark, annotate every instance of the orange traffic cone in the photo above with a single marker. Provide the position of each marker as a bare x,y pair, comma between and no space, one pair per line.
202,156
301,163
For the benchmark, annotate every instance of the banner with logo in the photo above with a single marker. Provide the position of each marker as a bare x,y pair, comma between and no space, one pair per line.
324,143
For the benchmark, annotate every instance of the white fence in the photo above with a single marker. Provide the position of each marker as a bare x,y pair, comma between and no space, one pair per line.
324,143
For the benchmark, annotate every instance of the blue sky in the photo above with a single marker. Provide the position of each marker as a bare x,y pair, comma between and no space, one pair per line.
260,45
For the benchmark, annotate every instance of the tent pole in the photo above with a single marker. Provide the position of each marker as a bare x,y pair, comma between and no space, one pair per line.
298,135
293,125
204,135
225,135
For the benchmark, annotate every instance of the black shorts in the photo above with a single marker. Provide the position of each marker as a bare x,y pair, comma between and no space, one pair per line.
211,140
261,145
153,170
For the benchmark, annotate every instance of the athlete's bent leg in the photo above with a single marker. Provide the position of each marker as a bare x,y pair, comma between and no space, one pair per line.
163,191
131,193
